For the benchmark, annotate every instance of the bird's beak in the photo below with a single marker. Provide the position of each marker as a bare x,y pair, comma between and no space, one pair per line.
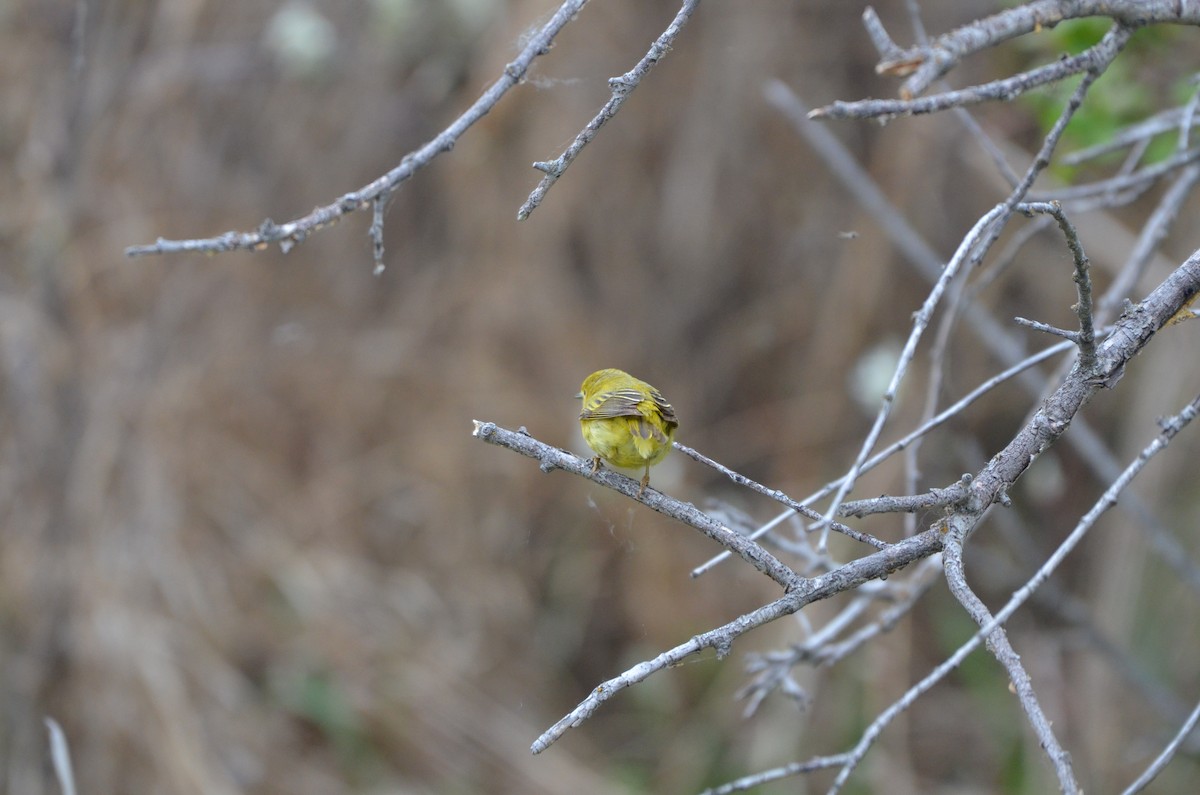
578,395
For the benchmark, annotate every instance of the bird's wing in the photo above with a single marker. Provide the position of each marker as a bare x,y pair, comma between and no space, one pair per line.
617,403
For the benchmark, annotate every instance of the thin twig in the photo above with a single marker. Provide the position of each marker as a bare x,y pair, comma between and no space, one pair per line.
1046,328
1144,130
786,771
289,234
60,756
779,496
1153,232
1086,337
934,498
621,87
1141,179
1002,650
1093,59
1163,759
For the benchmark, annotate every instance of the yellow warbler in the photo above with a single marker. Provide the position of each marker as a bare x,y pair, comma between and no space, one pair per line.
627,422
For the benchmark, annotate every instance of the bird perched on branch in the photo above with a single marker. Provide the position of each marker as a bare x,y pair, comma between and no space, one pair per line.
627,422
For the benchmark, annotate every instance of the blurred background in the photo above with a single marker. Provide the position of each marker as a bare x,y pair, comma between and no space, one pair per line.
248,542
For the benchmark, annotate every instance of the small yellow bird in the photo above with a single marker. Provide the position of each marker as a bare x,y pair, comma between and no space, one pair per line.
627,422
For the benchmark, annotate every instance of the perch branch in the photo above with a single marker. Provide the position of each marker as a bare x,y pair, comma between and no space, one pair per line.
552,458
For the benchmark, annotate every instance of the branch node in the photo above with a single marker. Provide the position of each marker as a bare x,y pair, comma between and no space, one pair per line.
1003,498
1048,329
375,231
622,85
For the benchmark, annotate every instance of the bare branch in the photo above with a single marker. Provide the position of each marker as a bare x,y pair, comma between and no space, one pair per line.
1151,235
1167,754
60,756
1046,328
975,245
935,498
826,646
786,771
920,322
621,87
552,458
946,414
1170,428
1086,336
844,578
994,337
1002,650
296,231
1091,60
779,496
1131,333
1144,130
1140,180
925,63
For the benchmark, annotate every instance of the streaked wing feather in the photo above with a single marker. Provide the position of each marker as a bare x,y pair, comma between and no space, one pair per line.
617,403
665,408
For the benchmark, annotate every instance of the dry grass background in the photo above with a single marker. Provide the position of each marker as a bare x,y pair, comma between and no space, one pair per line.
248,543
